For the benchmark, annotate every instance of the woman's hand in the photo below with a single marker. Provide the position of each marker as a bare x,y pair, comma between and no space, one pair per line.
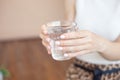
45,38
81,42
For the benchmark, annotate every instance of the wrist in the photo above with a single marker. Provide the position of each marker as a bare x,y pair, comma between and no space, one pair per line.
110,52
105,46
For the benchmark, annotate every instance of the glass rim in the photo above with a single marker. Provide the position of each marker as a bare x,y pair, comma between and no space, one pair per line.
58,23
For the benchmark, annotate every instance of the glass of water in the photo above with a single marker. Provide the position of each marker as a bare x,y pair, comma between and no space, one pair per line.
55,30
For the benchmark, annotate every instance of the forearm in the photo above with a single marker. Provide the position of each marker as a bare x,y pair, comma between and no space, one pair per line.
70,10
112,51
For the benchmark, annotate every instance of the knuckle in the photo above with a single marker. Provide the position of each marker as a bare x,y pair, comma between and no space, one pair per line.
44,43
89,51
44,37
41,36
82,52
89,39
90,44
43,29
92,50
62,43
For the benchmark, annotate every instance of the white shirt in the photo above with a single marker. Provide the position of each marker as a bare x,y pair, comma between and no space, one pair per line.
101,17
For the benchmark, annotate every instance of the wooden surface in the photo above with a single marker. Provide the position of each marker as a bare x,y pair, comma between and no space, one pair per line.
28,60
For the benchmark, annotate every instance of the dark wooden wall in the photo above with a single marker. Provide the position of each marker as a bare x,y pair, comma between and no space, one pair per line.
28,60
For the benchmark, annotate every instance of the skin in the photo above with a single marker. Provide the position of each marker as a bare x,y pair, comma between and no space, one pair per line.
87,41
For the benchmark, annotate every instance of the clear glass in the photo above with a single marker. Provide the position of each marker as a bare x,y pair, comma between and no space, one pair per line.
55,29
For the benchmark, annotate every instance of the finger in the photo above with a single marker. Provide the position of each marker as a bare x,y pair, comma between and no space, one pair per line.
46,44
42,36
47,47
43,33
70,55
73,42
72,49
43,29
49,51
72,35
45,38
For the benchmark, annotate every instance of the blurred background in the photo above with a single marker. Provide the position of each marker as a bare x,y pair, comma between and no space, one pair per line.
21,51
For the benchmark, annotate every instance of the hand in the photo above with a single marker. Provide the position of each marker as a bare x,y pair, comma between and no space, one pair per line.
45,38
81,42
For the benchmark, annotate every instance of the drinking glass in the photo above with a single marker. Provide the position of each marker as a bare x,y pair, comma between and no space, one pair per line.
55,30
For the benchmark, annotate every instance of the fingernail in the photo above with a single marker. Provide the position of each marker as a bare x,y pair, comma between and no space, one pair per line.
57,43
48,39
48,52
62,36
65,55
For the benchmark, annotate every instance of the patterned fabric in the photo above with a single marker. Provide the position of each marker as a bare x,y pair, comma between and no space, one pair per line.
77,73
